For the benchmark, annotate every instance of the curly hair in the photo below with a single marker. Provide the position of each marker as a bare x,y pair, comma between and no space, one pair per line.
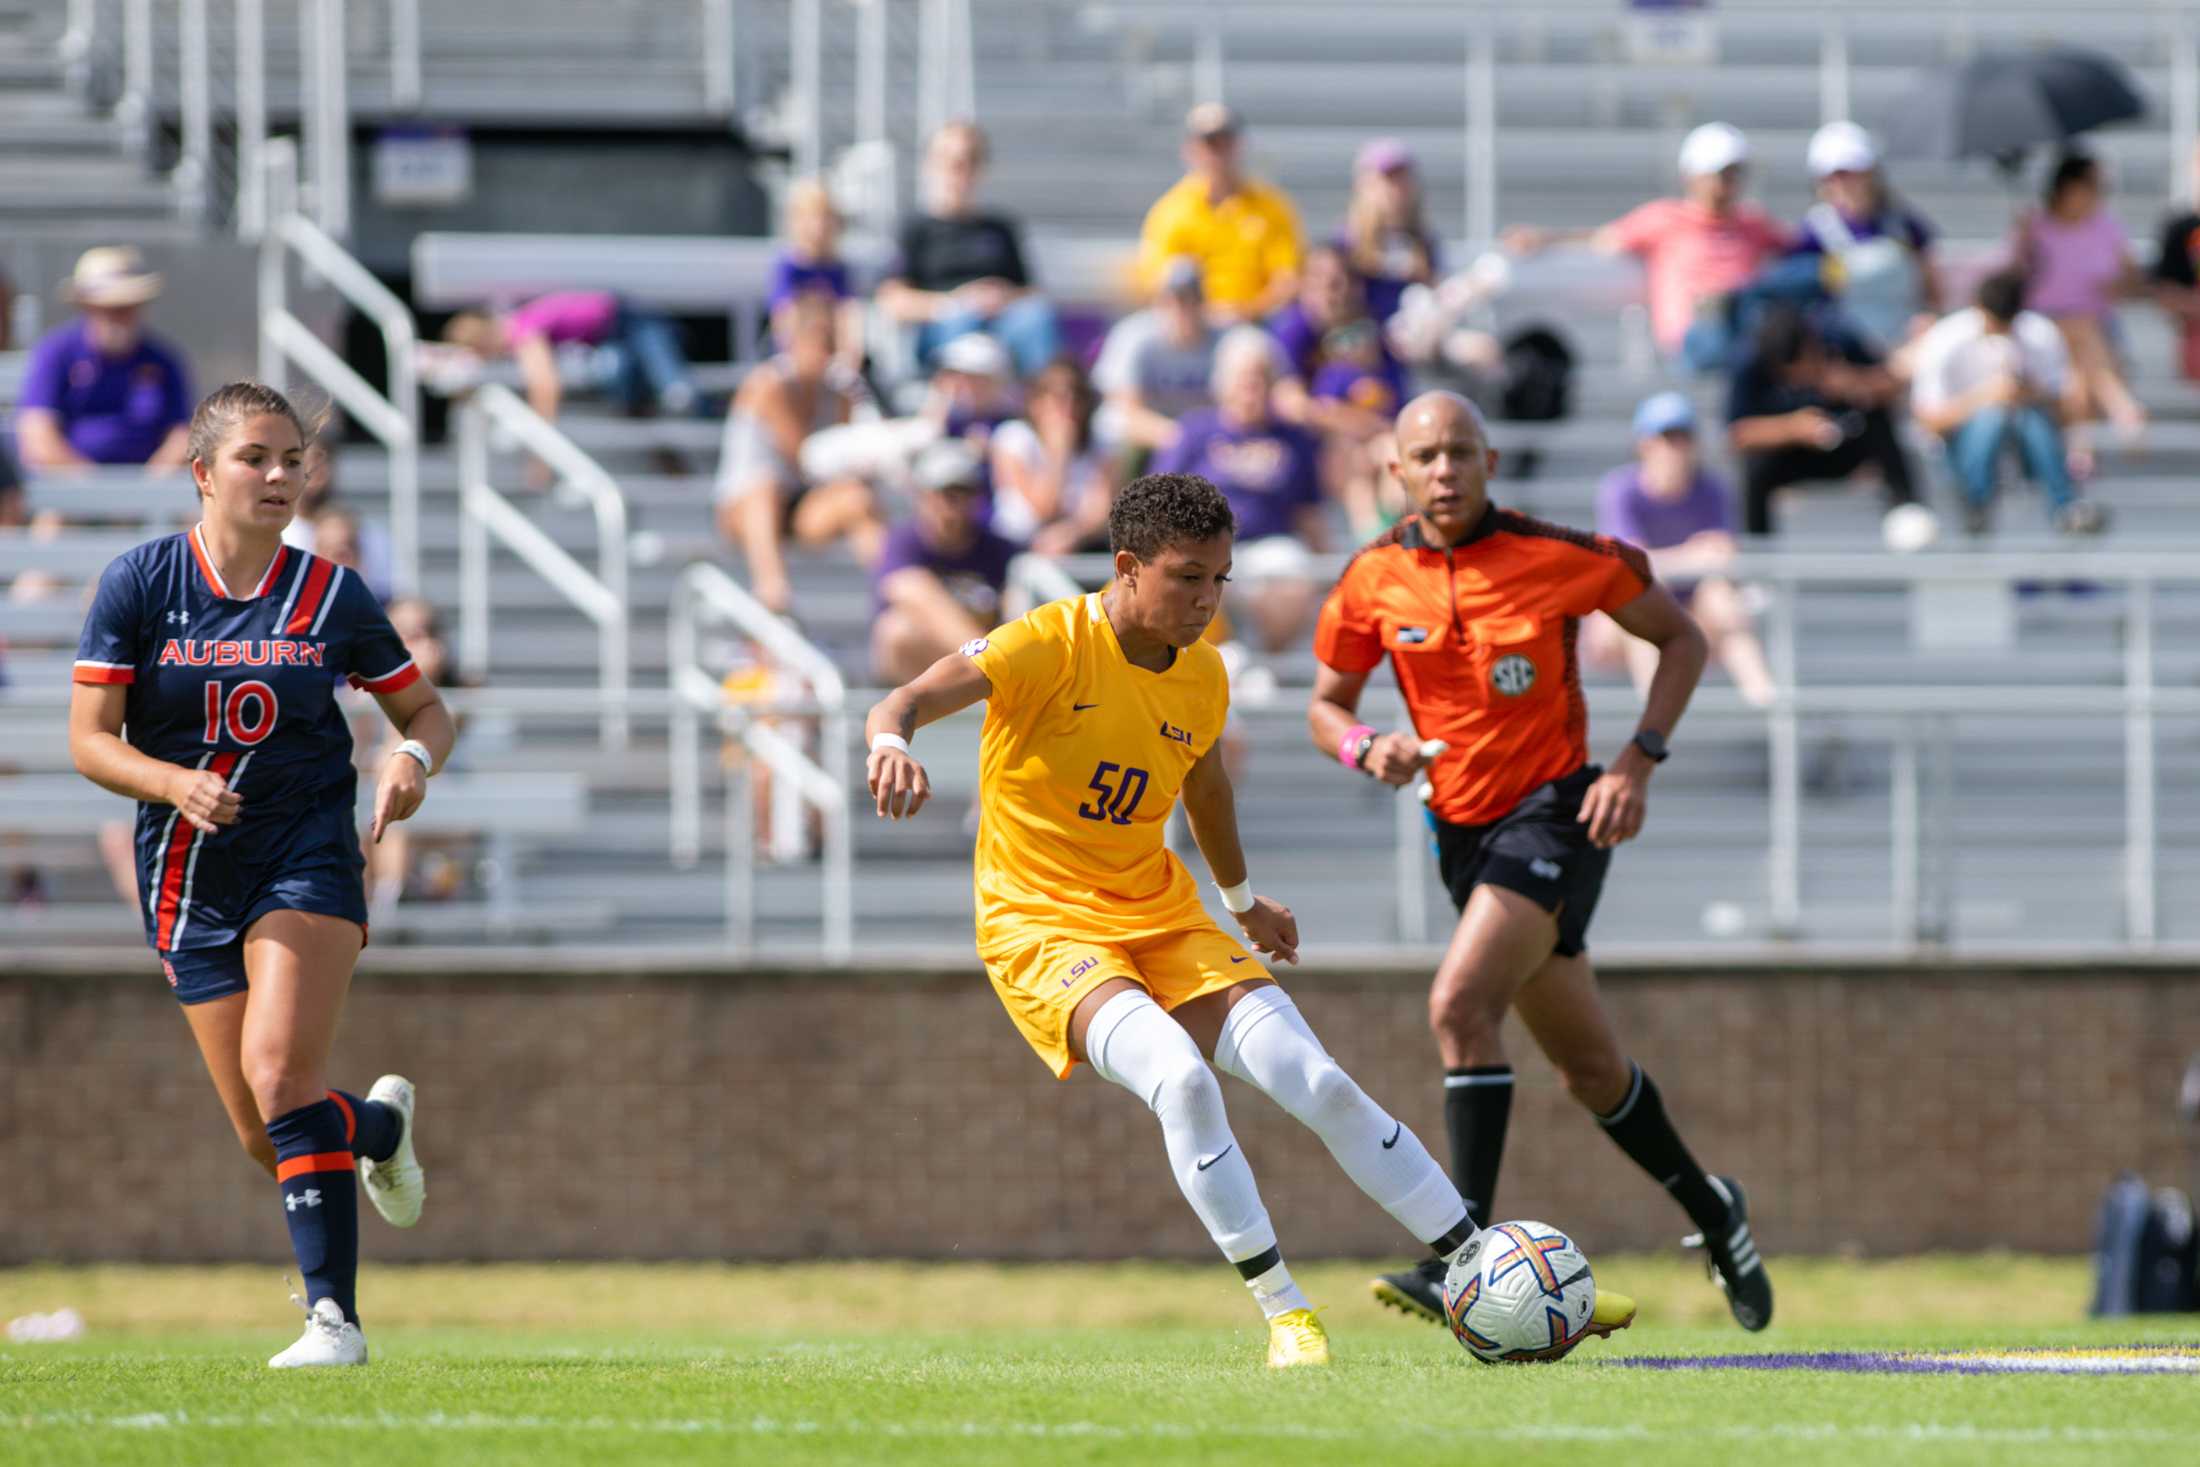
1159,510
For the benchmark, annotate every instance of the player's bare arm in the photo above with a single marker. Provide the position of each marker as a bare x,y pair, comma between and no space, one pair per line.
96,745
894,775
1211,807
1393,758
1613,807
418,714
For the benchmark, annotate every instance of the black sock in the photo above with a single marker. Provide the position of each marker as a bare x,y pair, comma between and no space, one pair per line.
1639,1127
1478,1101
370,1127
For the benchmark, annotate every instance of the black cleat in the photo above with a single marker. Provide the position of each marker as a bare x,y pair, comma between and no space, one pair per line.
1417,1291
1732,1260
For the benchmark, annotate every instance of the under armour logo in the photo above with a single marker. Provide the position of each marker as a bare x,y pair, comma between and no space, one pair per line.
1546,868
182,618
310,1197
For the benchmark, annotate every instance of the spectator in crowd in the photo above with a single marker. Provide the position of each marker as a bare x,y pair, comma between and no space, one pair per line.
1243,232
1157,364
764,492
647,370
102,389
1052,483
939,581
1994,379
1270,471
1340,380
1386,236
973,391
2177,279
810,262
337,536
1880,250
1682,514
958,269
2078,261
1809,405
1695,249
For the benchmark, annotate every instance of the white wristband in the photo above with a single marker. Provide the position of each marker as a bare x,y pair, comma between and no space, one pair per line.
889,741
419,751
1237,898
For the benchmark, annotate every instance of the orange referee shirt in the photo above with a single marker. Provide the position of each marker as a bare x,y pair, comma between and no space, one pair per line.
1481,637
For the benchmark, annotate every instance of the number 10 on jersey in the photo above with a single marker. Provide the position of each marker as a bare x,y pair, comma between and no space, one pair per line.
1117,792
248,712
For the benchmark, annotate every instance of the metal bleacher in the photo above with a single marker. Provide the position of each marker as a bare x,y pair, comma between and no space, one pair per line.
2026,810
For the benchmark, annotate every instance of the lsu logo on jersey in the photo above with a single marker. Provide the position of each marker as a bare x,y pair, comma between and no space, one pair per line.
279,653
1174,734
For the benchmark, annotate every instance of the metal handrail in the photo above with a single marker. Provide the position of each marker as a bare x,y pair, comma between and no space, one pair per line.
393,418
327,116
821,785
1034,580
601,596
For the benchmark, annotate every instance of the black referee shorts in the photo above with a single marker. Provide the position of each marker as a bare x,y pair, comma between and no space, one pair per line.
1538,848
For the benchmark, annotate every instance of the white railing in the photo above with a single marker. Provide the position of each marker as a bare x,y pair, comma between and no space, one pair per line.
704,594
393,418
600,595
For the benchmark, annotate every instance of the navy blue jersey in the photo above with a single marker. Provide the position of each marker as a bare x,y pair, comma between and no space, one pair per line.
242,682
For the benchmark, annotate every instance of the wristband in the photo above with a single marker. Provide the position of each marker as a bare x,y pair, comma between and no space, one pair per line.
419,751
1348,746
889,741
1239,898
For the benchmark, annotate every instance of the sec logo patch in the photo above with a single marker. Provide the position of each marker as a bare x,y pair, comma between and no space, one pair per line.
973,647
1513,675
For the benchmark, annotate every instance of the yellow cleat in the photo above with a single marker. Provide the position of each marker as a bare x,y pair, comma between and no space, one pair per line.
1613,1312
1297,1338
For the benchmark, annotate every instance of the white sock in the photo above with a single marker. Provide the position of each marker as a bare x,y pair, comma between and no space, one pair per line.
1266,1043
1132,1043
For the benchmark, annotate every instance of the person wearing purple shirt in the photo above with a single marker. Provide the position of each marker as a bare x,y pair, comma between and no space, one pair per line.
1683,515
809,263
100,390
1270,471
938,582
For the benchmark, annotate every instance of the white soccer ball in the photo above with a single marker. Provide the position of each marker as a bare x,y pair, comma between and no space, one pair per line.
1521,1291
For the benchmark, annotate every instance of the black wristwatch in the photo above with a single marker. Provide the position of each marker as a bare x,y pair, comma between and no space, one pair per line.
1652,744
1359,751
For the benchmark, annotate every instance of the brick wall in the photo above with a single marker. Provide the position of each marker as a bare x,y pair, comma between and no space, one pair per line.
770,1116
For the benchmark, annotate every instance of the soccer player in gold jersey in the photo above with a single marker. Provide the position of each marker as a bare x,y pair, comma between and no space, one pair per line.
1101,712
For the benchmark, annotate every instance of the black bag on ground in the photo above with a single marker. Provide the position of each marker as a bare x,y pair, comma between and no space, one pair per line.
2146,1253
1538,384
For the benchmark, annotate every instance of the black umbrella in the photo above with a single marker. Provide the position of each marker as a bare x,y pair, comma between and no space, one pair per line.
2000,103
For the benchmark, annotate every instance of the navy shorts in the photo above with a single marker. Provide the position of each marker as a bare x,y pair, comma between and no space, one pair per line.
1538,848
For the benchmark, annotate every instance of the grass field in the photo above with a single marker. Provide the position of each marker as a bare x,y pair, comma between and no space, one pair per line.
973,1364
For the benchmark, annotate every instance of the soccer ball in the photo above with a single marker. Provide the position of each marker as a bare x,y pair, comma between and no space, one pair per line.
1521,1291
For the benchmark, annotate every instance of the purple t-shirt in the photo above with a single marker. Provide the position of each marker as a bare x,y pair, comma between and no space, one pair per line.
1627,511
791,277
585,316
2075,267
1385,289
1900,224
1347,363
113,410
1267,473
974,576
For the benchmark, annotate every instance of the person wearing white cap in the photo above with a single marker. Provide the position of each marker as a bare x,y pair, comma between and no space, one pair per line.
100,390
939,580
1669,505
1243,232
1694,249
1880,249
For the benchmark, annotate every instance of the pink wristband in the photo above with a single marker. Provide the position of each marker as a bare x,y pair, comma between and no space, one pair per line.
1349,745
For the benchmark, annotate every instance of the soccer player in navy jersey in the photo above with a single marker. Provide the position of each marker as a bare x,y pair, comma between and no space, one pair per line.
206,691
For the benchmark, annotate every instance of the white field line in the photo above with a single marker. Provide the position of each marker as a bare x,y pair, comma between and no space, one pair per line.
767,1426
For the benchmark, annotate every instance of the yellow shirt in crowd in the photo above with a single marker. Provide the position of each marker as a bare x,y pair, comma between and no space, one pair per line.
1244,244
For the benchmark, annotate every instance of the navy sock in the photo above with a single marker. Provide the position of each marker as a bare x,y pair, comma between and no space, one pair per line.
314,1165
370,1127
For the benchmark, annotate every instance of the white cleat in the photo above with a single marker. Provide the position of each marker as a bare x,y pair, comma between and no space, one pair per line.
397,1186
330,1339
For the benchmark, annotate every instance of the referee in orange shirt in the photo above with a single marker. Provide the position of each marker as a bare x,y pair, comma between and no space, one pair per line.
1477,609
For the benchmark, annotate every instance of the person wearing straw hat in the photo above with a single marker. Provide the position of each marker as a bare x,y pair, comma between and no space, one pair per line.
101,390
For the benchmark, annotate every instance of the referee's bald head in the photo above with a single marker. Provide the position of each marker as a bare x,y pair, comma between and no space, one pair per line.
1441,411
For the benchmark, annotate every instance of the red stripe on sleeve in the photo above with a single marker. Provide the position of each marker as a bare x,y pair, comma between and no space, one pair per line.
92,672
309,599
396,682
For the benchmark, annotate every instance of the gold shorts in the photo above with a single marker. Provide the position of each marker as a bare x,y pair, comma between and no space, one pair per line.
1041,985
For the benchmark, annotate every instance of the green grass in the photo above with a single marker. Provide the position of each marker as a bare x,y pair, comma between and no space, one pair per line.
972,1364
